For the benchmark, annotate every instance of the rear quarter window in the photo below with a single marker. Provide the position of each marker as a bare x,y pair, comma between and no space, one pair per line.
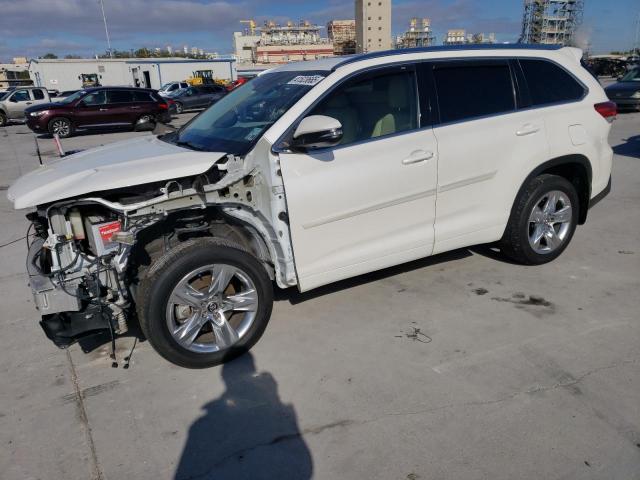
549,83
142,97
38,94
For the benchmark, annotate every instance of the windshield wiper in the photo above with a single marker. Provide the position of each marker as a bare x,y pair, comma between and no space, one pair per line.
191,146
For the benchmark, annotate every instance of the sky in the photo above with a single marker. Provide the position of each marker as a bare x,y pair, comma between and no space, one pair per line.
34,27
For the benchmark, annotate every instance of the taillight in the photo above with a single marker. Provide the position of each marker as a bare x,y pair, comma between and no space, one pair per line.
163,106
608,110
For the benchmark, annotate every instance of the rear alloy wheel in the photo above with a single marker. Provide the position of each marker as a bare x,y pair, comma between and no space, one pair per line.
542,222
179,107
3,119
204,302
145,122
550,222
61,126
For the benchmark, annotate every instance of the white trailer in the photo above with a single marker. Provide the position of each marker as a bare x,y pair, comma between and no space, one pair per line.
68,74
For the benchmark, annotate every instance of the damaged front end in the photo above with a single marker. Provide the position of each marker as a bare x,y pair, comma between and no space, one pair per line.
88,253
73,274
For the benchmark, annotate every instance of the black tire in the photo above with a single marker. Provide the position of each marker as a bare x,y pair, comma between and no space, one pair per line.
163,275
515,242
3,119
179,107
138,126
62,132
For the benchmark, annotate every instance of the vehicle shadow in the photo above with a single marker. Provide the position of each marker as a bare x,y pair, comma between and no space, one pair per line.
293,296
246,433
630,148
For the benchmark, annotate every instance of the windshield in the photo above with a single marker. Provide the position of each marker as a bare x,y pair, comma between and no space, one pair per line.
72,98
236,122
166,87
632,76
3,94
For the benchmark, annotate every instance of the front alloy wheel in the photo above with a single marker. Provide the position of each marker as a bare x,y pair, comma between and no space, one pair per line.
204,302
212,308
61,127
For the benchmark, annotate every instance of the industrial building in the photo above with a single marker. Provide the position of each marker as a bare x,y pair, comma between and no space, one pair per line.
292,42
73,74
552,22
455,37
14,74
461,37
373,25
342,33
418,35
277,43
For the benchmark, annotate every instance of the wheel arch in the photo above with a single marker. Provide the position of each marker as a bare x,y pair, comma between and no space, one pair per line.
576,169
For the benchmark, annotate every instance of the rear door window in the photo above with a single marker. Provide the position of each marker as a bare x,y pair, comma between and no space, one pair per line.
120,96
473,89
549,83
38,94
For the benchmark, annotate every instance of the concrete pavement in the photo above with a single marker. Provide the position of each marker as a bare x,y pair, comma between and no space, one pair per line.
460,366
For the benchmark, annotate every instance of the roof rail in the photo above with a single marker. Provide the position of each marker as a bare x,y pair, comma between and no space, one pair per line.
445,48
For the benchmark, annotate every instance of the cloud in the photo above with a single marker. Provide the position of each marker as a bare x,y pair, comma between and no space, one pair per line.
124,16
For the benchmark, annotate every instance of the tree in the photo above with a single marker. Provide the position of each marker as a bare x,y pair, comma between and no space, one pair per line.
49,56
142,53
71,56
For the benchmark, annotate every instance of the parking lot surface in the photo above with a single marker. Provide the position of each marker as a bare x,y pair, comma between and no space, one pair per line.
459,366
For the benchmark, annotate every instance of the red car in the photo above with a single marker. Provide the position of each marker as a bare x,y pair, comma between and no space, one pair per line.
235,84
99,108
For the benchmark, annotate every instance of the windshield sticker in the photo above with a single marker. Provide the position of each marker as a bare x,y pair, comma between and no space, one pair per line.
307,80
253,134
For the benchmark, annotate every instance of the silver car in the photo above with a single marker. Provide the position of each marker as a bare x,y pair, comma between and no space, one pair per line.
14,103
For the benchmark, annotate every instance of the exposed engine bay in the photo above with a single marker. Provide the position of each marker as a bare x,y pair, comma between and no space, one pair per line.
88,254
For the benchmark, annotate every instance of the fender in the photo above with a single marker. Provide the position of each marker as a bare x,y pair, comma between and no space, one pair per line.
561,166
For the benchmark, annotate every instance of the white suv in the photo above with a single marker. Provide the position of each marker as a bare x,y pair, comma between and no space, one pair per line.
311,173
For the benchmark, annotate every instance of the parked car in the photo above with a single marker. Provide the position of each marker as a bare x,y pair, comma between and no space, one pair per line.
14,103
172,87
626,92
309,174
197,97
99,108
64,94
237,83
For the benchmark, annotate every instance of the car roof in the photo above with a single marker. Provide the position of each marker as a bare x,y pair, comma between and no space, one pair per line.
123,87
333,63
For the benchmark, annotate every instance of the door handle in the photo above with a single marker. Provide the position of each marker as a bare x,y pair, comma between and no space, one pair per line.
29,103
134,108
527,129
103,109
417,156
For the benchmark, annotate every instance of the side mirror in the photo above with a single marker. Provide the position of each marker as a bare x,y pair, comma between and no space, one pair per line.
619,78
317,131
13,99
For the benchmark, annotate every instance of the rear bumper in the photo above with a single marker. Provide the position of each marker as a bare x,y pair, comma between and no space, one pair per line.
164,117
595,200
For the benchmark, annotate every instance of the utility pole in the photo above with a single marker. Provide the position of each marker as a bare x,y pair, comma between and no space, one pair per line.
636,44
106,30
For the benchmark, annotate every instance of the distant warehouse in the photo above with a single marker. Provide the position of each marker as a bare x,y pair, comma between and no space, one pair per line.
73,74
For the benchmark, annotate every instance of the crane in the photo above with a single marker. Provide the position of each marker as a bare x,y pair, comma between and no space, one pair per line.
252,25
